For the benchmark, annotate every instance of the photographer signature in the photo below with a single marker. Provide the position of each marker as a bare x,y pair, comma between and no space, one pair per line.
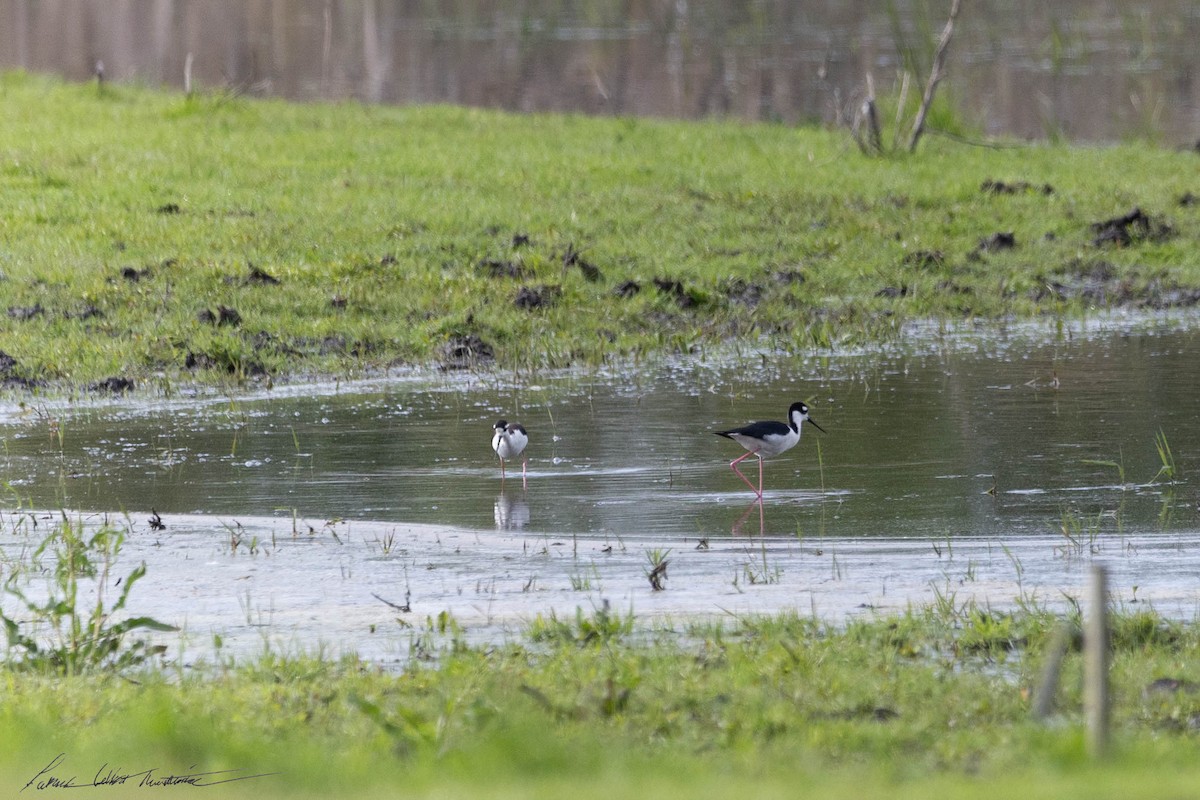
55,776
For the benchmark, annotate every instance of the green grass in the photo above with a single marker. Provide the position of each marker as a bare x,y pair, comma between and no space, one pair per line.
379,222
897,706
597,705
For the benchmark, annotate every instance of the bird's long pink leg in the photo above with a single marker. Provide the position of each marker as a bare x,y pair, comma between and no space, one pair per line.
733,466
502,470
524,483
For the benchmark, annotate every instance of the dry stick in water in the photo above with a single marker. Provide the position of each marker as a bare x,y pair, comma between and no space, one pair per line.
936,73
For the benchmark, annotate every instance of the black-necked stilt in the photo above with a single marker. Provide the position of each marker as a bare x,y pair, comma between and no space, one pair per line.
765,439
509,441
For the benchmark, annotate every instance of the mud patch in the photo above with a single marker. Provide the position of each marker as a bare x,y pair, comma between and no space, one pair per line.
25,313
997,242
86,312
1099,283
1162,295
950,287
743,293
264,341
990,186
1129,229
224,362
259,277
573,258
12,376
628,289
465,352
496,268
224,315
684,297
531,297
925,259
135,275
113,385
337,344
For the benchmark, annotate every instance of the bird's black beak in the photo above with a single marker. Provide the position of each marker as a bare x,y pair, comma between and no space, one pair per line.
814,424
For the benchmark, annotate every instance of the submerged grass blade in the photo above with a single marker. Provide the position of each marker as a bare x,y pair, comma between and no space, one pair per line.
1167,470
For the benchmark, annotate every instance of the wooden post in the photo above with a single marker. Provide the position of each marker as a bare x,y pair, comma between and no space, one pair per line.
1043,696
875,137
1095,664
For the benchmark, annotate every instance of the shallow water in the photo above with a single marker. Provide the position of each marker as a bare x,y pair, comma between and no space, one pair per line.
961,465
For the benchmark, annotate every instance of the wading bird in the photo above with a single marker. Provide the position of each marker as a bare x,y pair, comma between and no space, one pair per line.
509,441
766,439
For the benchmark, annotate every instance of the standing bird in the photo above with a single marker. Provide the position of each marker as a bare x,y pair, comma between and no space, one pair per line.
509,441
764,439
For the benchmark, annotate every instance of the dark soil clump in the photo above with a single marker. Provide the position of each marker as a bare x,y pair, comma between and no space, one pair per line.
627,289
87,312
925,259
465,352
228,316
747,294
1001,240
530,298
494,268
114,385
675,289
1015,187
25,313
1128,229
224,363
260,277
12,377
572,258
224,315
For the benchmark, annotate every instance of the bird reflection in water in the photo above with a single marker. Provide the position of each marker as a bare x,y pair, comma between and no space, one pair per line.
511,513
737,526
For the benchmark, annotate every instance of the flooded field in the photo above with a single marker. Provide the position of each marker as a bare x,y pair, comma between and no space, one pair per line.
992,467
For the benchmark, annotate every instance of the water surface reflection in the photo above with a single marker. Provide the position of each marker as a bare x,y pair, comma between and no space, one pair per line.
1076,68
996,438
